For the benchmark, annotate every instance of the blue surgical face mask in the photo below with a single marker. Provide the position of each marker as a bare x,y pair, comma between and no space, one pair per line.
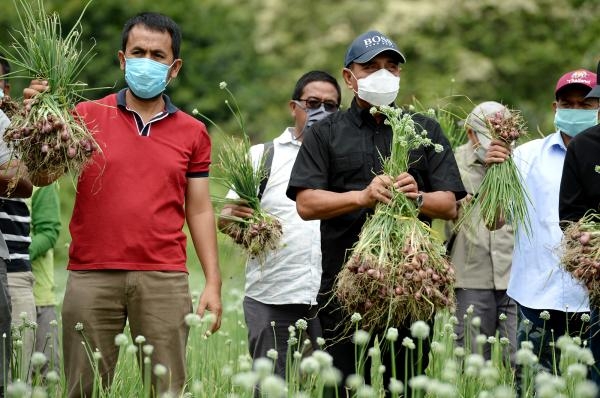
574,121
145,77
314,115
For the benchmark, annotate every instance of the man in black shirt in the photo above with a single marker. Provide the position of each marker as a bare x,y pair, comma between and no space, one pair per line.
338,178
579,194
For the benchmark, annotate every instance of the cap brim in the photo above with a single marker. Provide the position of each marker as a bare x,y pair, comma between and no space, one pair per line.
595,93
369,55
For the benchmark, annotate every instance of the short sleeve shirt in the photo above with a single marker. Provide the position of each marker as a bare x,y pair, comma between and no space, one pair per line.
343,153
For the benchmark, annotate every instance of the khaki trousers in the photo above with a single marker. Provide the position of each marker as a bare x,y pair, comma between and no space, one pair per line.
155,303
20,286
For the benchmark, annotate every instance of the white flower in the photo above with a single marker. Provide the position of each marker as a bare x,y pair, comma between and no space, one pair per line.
437,347
395,386
354,381
527,345
320,341
195,111
545,315
504,341
121,340
148,349
459,352
131,349
525,357
97,355
381,369
392,334
309,365
355,318
39,392
408,343
475,360
292,330
453,320
331,376
489,375
365,391
273,354
160,370
297,355
52,376
17,389
38,359
79,326
419,330
273,386
272,324
192,319
502,317
263,366
585,317
476,321
577,370
419,382
586,389
301,324
491,340
361,337
245,380
481,339
504,392
324,358
470,309
140,340
223,85
292,341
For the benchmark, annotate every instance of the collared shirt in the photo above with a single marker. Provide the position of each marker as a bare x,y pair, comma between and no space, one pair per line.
537,278
343,153
481,257
131,196
580,183
292,273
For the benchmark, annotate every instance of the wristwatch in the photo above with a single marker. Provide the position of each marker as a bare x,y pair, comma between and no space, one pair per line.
419,200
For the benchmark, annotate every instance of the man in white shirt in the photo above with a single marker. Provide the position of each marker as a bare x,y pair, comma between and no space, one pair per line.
283,289
551,302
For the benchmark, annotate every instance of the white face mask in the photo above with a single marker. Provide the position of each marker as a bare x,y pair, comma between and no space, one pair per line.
379,88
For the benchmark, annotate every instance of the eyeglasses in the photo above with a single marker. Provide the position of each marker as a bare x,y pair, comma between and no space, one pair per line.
314,103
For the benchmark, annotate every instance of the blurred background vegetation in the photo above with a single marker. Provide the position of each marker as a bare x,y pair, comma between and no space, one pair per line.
459,52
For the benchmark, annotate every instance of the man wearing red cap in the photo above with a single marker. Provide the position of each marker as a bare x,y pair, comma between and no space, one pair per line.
580,193
551,302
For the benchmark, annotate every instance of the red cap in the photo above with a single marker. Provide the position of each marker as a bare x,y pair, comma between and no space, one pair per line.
579,76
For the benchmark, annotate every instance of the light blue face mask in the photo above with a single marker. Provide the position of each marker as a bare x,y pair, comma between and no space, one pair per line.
574,121
145,77
314,115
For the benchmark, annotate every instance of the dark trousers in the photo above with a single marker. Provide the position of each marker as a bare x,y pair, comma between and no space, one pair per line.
339,344
595,343
262,336
5,319
488,305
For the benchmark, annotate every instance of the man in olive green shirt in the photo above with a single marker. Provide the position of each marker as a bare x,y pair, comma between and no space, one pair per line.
482,258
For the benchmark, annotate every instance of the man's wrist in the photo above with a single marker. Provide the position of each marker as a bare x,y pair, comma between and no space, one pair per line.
419,200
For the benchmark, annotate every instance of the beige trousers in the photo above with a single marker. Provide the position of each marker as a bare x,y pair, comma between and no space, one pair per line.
20,286
155,303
